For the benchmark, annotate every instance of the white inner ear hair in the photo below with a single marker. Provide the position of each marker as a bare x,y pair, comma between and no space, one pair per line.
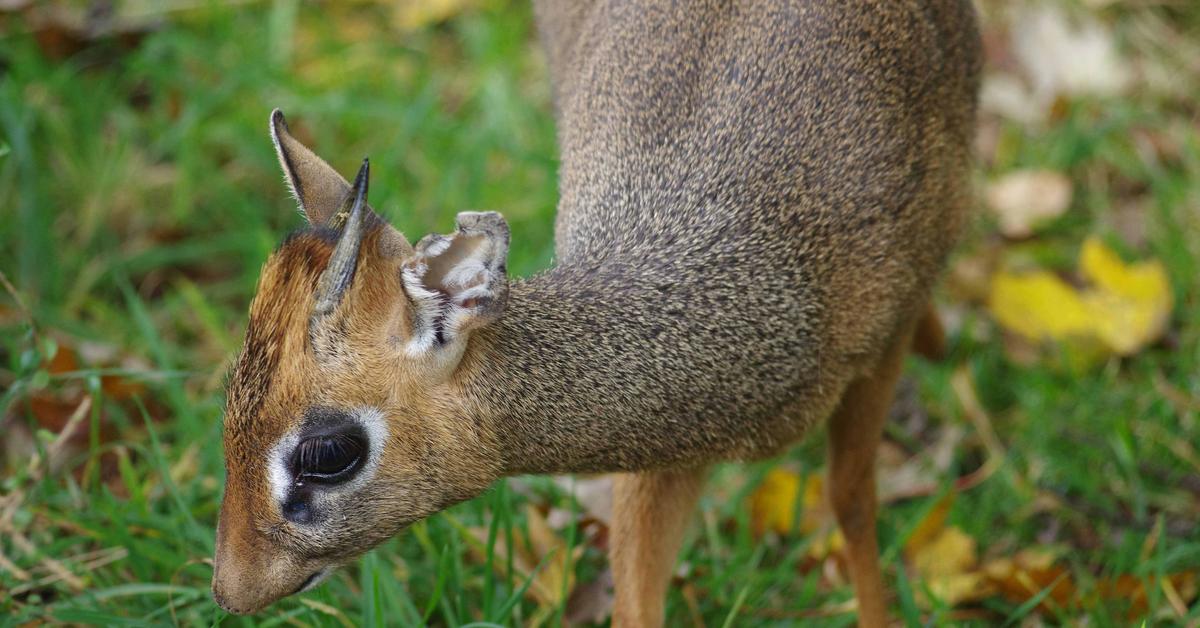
445,286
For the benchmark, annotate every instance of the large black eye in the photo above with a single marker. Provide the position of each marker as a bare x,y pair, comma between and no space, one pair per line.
329,458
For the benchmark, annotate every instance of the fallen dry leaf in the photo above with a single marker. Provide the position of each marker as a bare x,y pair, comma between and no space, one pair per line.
1125,307
951,552
1132,303
773,503
1131,590
1026,199
773,508
591,602
945,558
945,561
551,584
544,558
410,15
1066,55
929,528
1039,305
1027,574
593,493
63,29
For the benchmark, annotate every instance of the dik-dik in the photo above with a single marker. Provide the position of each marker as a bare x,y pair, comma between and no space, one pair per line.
756,198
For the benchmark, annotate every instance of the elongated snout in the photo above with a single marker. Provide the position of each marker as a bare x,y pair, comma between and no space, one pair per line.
250,573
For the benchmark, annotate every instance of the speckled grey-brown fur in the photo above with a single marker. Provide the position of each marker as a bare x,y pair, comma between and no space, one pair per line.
755,198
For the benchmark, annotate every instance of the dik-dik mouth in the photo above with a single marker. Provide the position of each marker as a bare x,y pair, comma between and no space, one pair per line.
312,581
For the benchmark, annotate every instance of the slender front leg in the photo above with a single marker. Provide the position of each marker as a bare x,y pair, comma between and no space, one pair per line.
650,514
855,431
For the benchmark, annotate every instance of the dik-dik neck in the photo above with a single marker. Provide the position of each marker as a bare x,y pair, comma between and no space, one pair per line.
627,367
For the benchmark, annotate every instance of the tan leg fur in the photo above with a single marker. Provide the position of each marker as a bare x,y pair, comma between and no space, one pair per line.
650,514
929,339
855,431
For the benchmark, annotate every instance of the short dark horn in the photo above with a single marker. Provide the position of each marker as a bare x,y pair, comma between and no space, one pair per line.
351,220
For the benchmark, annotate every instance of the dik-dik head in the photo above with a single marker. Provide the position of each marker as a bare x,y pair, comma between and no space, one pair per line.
343,421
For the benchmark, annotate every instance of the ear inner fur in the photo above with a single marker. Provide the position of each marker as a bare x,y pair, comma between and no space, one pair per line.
457,283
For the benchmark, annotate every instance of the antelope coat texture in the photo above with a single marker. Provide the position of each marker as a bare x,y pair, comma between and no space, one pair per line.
755,197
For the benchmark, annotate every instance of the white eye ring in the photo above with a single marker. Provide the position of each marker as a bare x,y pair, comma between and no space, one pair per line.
279,471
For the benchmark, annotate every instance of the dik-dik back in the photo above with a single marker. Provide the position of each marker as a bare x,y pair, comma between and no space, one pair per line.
755,200
785,179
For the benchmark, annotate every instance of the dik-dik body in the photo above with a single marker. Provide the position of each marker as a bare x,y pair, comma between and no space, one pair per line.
756,198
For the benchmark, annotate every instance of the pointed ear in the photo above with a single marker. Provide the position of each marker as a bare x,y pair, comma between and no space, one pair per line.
318,188
457,283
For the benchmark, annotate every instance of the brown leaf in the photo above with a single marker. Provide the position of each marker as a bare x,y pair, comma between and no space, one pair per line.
591,602
1027,574
64,29
544,557
1131,590
930,528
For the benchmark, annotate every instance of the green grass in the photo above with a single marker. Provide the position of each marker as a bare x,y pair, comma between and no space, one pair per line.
139,196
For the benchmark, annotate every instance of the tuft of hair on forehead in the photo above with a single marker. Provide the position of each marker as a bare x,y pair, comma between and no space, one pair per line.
277,334
278,317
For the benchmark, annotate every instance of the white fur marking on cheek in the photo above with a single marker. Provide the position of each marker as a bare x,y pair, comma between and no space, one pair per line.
375,424
277,468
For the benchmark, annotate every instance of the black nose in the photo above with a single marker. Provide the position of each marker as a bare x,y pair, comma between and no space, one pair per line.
296,508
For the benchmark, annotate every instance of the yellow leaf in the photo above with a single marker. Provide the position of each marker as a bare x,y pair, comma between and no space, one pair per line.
411,15
773,508
556,577
1132,303
829,542
948,565
1125,307
930,528
951,552
544,558
957,588
945,558
773,503
1039,306
816,513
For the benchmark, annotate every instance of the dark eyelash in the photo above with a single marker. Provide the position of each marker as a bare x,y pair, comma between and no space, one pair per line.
327,458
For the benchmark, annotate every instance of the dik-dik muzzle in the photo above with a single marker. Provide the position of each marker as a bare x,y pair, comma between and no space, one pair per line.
249,570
